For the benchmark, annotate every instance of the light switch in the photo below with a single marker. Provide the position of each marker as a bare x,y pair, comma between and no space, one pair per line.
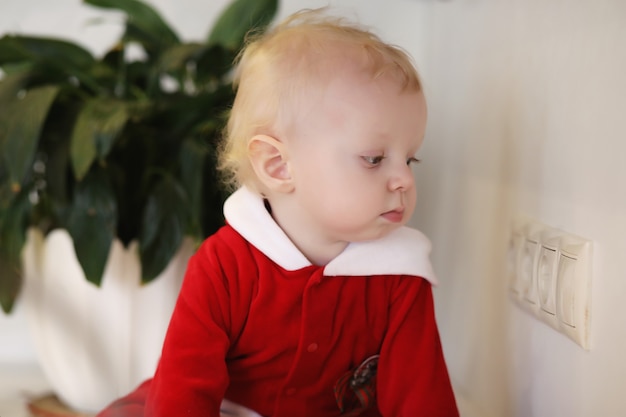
566,284
546,279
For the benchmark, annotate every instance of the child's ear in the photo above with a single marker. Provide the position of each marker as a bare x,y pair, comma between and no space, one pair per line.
270,163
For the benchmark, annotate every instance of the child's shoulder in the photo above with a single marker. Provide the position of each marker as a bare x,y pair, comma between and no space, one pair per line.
224,253
224,244
226,241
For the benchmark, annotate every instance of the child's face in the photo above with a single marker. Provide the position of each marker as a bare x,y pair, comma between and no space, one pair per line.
351,158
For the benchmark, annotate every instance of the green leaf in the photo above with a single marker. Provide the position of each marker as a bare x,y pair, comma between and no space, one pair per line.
98,125
239,18
176,57
52,60
6,194
13,224
21,126
10,284
215,62
162,228
91,223
144,24
181,114
10,86
38,49
10,51
193,156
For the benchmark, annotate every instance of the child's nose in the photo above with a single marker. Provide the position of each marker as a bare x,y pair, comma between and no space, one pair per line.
401,179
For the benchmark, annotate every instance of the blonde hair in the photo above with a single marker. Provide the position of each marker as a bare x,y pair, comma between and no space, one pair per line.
276,69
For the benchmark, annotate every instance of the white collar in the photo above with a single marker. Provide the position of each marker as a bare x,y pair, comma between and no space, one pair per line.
405,251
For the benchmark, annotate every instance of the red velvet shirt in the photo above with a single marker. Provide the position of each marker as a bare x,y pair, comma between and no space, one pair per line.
260,326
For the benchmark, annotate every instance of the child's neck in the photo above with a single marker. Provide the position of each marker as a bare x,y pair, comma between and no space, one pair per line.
314,245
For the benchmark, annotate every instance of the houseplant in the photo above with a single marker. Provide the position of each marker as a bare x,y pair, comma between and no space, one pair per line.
117,154
106,148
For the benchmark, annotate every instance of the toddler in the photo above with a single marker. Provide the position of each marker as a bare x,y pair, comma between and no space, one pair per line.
315,298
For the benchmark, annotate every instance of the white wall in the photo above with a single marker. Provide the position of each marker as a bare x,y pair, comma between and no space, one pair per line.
527,103
527,116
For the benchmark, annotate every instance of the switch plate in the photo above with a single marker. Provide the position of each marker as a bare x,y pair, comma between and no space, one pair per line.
550,277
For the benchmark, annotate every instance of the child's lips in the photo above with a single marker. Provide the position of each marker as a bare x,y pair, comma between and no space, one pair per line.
394,216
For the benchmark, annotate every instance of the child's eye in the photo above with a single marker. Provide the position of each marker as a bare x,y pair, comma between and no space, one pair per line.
373,160
412,160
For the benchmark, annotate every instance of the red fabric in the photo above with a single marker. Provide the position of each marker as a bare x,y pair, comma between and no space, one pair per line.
277,341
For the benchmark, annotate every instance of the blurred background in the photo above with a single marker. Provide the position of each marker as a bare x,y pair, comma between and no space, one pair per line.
527,103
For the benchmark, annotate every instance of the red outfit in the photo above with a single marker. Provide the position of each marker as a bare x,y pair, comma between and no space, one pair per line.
260,326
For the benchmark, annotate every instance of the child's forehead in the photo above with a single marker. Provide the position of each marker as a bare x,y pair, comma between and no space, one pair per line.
347,95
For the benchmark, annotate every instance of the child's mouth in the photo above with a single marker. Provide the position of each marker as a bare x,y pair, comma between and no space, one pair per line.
394,216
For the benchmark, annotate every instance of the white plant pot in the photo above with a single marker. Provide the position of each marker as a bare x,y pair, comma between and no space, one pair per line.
96,344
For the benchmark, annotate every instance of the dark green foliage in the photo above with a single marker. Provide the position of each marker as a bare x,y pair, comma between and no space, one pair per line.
100,146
